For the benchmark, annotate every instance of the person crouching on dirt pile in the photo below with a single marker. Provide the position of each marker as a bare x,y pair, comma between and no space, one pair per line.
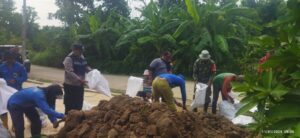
222,83
25,102
162,88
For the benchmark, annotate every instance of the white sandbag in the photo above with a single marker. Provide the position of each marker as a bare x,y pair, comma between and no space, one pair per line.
134,84
234,95
3,131
199,95
5,93
43,117
242,120
227,109
96,81
87,106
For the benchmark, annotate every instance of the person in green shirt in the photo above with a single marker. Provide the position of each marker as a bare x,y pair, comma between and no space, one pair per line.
222,82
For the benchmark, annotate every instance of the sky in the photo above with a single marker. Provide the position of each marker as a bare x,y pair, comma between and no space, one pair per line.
44,7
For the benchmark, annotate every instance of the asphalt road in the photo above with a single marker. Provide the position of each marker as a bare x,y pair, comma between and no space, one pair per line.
116,82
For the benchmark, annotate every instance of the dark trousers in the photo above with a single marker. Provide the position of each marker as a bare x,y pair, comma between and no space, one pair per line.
17,118
73,98
216,92
207,97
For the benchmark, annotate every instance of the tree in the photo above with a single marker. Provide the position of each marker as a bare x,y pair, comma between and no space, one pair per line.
73,11
118,6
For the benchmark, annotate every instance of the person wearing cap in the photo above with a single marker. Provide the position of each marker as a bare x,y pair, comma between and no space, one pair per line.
222,82
161,65
203,72
13,72
162,88
25,102
75,68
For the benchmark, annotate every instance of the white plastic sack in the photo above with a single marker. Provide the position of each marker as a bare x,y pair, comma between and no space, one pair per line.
134,84
5,93
242,120
43,117
199,95
96,81
87,106
3,131
227,109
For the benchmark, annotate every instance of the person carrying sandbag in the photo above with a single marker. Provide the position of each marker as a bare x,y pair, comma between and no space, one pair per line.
25,102
222,82
203,72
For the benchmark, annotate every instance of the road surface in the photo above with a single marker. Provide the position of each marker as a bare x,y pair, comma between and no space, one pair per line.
53,75
116,82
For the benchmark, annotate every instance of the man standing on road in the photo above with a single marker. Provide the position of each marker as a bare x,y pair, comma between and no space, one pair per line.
161,65
203,72
75,68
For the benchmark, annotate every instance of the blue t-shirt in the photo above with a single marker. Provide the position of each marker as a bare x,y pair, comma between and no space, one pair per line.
174,81
17,72
33,97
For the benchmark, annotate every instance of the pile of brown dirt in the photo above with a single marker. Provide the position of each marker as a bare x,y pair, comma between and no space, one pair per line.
123,116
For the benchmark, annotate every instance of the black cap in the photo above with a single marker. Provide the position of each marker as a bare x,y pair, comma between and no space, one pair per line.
78,46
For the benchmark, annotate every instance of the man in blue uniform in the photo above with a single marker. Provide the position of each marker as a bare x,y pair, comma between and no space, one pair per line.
25,102
13,72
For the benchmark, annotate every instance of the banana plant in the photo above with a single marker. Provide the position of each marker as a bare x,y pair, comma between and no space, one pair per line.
276,92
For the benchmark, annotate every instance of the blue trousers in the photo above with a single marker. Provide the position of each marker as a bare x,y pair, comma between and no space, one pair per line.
17,117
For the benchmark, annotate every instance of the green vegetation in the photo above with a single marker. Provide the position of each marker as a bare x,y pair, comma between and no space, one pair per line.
237,35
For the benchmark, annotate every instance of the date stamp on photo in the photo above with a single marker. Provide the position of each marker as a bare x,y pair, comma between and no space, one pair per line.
288,131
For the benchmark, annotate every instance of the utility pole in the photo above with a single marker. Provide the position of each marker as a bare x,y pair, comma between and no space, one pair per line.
24,26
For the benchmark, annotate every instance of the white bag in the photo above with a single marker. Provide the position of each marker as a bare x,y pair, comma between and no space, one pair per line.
43,117
3,131
5,93
96,81
134,84
227,109
199,95
87,106
242,120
